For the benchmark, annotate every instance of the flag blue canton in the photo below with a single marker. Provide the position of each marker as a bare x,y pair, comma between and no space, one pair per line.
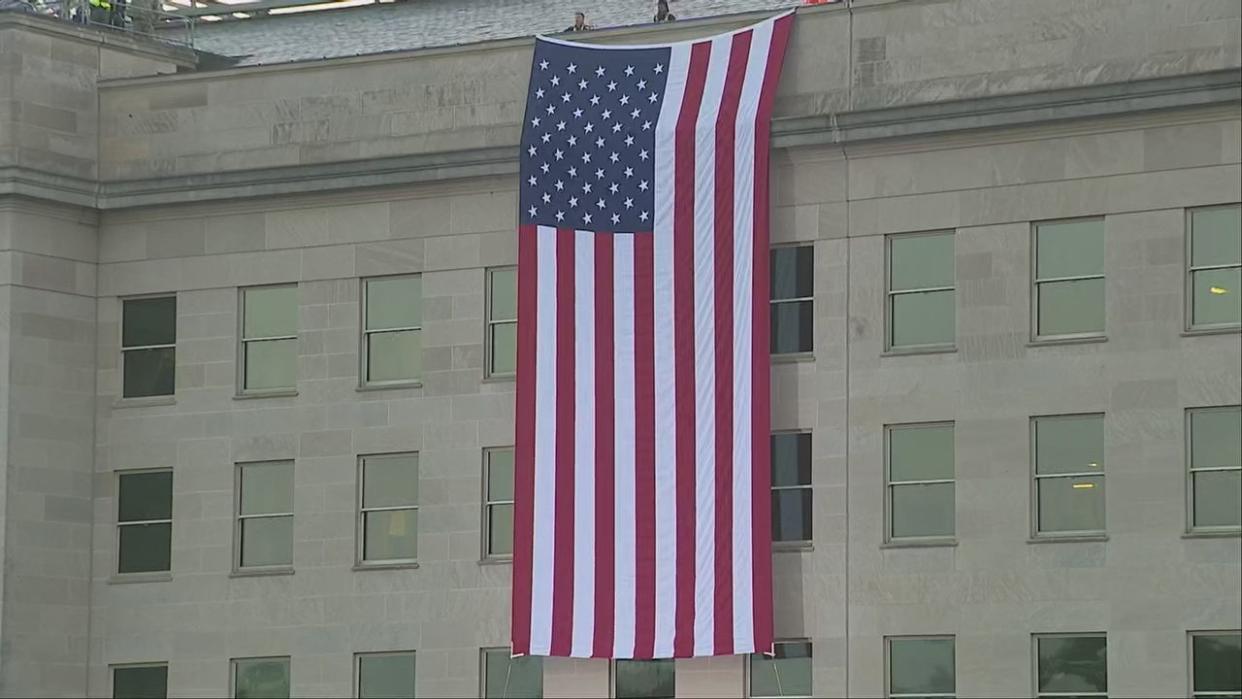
588,142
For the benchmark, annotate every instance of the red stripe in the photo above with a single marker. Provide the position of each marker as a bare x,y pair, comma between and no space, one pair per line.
563,557
524,429
683,344
761,376
723,257
644,446
604,455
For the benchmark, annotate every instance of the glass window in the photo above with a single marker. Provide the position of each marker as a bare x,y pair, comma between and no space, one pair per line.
920,481
386,675
1214,278
645,679
1216,657
269,338
1069,278
144,522
1069,474
1071,665
140,681
786,674
502,321
921,303
791,486
265,514
148,347
392,329
261,678
506,677
388,509
921,667
1216,467
498,502
793,287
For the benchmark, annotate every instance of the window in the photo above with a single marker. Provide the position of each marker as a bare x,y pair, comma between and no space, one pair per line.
920,481
388,509
269,351
1215,468
921,666
786,674
144,522
1069,474
261,678
921,298
498,502
1214,278
506,677
148,347
791,486
392,329
265,514
1216,659
793,286
501,321
1069,279
1071,665
644,679
385,675
140,681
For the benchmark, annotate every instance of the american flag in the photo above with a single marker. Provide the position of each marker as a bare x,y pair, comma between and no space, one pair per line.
642,522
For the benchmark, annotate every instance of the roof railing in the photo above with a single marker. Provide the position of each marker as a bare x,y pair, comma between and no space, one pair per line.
137,17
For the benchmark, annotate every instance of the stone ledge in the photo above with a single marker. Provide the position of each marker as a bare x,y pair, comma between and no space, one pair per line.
182,56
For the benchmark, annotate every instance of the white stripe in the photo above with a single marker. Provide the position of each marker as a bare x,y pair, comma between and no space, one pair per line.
743,307
545,446
665,376
584,444
623,447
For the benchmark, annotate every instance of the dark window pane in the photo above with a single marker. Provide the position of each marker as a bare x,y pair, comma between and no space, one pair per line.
791,459
786,674
1070,249
921,665
1218,662
149,322
1072,307
1216,236
394,303
1216,438
920,453
793,272
500,530
144,548
1071,504
1218,498
150,372
924,318
792,327
1071,444
386,676
390,481
920,261
791,515
1073,664
1217,296
923,510
645,679
140,682
145,496
270,311
267,541
512,678
391,535
261,678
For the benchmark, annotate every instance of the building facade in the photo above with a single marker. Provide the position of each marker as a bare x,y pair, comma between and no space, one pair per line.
256,386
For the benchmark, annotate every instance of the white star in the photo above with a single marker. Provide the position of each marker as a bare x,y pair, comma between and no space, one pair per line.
643,216
616,219
582,84
531,211
573,172
652,97
559,154
607,113
539,93
547,198
599,142
629,172
599,174
594,100
646,126
586,218
556,80
532,180
573,202
546,137
643,185
560,216
586,187
634,114
577,113
629,70
642,154
560,185
613,188
599,203
572,68
629,140
531,151
629,203
612,86
565,97
586,157
659,68
550,109
614,157
642,84
599,71
616,127
544,168
625,99
560,126
589,127
573,140
534,122
543,65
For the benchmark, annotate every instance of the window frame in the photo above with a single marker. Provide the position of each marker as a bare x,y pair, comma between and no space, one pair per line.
888,664
233,670
810,538
357,691
890,294
483,651
1035,663
1190,664
889,484
1035,477
364,353
135,666
116,511
1188,293
488,503
1036,281
360,518
1191,471
238,517
748,689
490,323
124,348
772,302
243,342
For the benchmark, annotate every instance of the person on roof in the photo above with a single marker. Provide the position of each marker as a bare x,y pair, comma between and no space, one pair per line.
17,6
580,24
662,14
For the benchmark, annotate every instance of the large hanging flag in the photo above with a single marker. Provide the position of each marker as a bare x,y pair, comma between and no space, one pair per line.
642,522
